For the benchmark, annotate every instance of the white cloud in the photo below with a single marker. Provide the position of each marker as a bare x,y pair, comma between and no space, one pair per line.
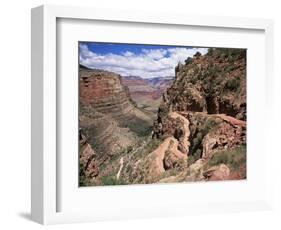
155,53
148,63
128,54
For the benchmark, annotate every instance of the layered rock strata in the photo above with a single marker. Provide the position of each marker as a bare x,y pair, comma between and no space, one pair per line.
108,116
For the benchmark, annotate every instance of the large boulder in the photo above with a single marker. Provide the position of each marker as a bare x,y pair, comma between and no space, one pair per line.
165,157
218,172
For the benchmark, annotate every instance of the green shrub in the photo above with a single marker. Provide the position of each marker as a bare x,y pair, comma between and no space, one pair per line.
229,68
211,51
209,124
129,149
220,158
196,144
198,54
233,84
231,157
140,127
149,147
194,157
84,181
231,53
188,61
112,180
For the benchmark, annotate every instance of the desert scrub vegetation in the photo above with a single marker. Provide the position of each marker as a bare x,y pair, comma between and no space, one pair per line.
232,84
188,61
229,68
196,142
83,179
150,146
140,127
210,123
194,157
231,53
112,180
123,152
233,158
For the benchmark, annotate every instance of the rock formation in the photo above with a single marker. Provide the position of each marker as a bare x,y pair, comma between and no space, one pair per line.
210,92
218,172
103,91
108,116
214,83
89,169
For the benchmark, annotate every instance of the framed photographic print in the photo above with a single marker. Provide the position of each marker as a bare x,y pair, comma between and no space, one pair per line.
138,114
161,114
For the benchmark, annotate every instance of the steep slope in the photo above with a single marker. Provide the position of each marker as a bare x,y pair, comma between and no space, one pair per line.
108,116
214,83
209,91
88,167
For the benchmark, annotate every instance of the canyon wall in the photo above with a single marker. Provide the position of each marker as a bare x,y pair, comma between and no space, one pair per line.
108,116
210,92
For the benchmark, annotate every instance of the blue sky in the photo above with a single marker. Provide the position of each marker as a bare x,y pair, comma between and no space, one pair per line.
146,61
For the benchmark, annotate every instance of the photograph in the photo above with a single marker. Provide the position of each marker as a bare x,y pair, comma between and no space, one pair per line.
151,113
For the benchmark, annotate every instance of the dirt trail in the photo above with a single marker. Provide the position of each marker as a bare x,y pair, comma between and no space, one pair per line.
185,122
232,120
120,169
156,157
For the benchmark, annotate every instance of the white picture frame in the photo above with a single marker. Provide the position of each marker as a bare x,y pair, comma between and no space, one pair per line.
45,90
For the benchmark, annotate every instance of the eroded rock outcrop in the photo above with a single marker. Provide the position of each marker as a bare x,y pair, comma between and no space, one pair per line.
89,168
108,116
209,91
214,83
171,154
218,172
166,156
103,91
225,135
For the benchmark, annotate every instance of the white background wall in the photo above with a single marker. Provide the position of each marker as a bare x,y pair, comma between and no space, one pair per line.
15,112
